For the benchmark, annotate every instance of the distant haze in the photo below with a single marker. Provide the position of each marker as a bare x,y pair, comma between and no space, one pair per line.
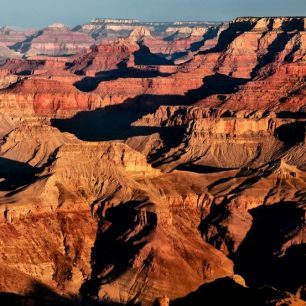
39,13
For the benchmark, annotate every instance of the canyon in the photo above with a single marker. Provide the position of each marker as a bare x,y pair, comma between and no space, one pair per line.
154,163
169,39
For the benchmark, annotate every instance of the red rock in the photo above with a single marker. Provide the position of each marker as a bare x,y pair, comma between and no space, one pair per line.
57,40
106,57
202,173
38,97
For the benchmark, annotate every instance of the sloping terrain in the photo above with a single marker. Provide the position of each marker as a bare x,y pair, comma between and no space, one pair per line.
127,177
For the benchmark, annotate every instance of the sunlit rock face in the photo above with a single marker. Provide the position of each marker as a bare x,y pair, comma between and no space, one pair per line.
56,40
154,164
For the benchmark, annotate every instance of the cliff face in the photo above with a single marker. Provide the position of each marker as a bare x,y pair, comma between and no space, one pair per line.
56,40
124,27
219,139
59,40
51,98
6,53
109,180
284,90
10,37
171,40
128,177
105,57
244,49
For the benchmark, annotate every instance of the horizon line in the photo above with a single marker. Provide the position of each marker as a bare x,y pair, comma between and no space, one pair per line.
137,20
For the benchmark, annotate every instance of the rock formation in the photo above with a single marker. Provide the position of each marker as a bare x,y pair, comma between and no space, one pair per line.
9,41
106,57
56,40
132,175
172,40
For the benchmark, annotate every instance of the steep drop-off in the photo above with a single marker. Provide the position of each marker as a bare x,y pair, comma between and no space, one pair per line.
131,176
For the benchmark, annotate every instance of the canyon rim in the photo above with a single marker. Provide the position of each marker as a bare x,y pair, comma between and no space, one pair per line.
153,163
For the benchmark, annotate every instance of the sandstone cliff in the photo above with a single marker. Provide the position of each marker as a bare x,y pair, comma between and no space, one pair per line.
56,40
129,178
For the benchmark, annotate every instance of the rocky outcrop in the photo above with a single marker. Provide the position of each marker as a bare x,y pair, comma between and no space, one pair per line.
127,178
282,91
106,57
104,176
6,53
246,48
168,39
7,81
56,40
11,38
19,67
139,33
8,39
51,98
281,68
147,86
100,28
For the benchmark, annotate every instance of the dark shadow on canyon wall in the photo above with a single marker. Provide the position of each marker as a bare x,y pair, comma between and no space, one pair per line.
88,84
225,291
38,295
291,115
115,121
117,243
258,258
276,46
291,133
230,34
41,295
193,167
210,34
14,174
216,84
25,45
143,56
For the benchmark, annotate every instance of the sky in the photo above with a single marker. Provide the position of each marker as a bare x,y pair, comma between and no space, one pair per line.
40,13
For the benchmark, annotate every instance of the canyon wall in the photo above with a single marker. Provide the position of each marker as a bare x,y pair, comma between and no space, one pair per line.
131,174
